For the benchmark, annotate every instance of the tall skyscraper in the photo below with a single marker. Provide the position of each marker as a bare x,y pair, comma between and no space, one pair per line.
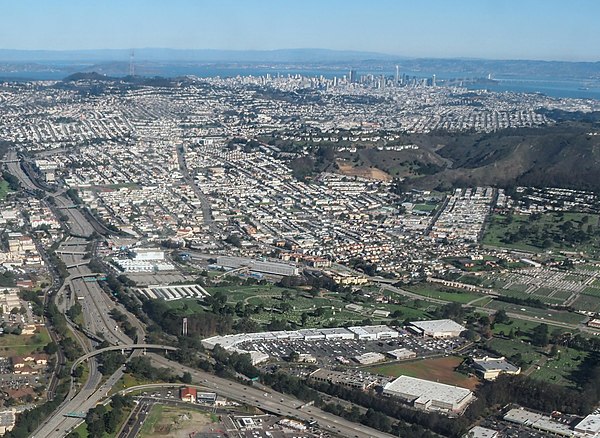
397,81
352,78
433,81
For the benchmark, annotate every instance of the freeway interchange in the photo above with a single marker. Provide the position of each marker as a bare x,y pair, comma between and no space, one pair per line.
96,306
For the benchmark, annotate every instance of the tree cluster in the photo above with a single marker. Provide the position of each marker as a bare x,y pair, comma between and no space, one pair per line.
142,367
100,420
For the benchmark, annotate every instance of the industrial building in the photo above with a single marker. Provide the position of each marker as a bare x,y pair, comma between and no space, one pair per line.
429,396
439,328
589,426
402,353
354,381
373,332
370,333
481,432
231,342
369,358
538,422
489,368
260,266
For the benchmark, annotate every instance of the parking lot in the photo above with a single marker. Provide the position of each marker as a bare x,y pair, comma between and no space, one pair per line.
327,352
17,381
506,429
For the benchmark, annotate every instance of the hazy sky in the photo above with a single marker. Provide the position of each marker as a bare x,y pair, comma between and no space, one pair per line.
499,29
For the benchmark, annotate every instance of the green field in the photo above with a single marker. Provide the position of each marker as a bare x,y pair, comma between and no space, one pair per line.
543,315
11,345
557,369
82,430
560,368
548,232
433,290
424,207
4,189
587,302
510,347
325,309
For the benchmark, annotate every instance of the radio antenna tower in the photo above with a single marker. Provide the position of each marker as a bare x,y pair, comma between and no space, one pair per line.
132,63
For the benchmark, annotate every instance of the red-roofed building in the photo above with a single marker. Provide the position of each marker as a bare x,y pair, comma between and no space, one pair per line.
188,395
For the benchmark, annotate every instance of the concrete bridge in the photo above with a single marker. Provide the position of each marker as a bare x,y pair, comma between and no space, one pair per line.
122,349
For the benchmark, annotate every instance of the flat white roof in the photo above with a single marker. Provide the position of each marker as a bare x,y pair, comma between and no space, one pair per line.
439,325
495,364
590,424
482,432
370,329
418,388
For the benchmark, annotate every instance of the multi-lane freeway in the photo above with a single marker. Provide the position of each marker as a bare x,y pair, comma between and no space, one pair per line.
273,401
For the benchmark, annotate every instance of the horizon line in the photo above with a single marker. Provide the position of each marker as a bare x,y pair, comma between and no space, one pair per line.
365,52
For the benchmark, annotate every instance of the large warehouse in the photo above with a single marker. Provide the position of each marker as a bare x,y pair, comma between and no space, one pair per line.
263,267
438,328
427,395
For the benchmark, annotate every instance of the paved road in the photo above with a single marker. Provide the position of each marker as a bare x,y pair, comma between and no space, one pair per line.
14,167
136,419
122,348
204,201
78,224
58,426
274,402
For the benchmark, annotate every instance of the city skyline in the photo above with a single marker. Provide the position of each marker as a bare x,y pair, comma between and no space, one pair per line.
470,29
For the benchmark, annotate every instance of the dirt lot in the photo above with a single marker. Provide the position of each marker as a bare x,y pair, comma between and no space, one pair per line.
440,369
167,421
364,172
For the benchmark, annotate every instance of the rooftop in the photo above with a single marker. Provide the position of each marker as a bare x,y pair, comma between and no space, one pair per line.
495,364
419,388
439,325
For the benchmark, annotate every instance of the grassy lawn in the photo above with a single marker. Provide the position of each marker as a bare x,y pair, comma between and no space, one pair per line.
434,291
587,302
515,325
127,381
552,369
240,293
82,430
84,376
11,345
191,305
331,306
510,347
548,315
424,207
546,228
560,368
4,189
592,291
439,369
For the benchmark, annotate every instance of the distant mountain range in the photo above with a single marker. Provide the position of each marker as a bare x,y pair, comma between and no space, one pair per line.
154,61
196,55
